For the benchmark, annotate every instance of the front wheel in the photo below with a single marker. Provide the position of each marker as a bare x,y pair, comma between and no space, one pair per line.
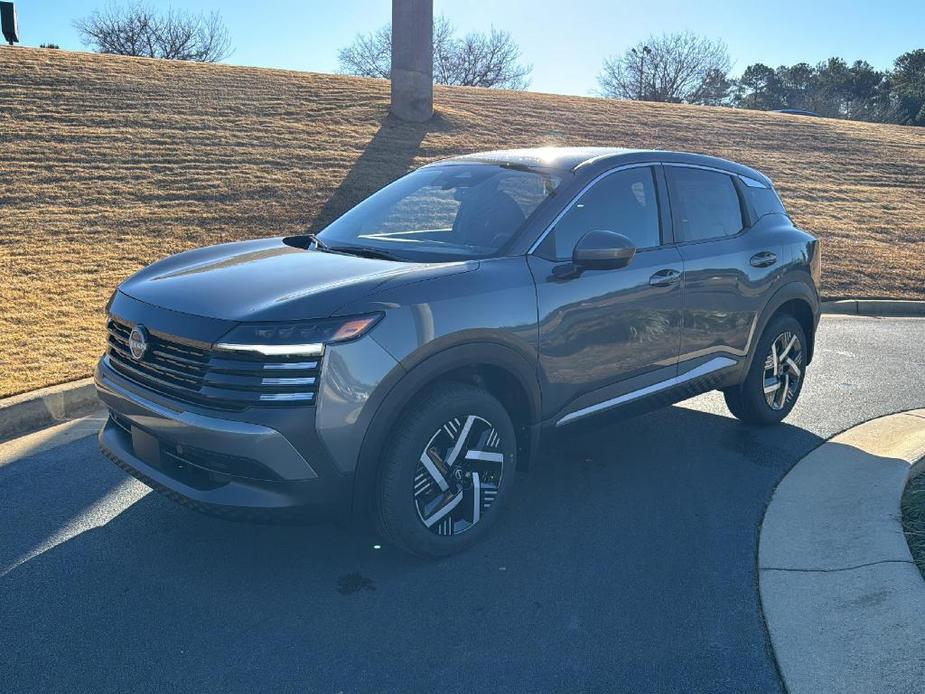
775,378
447,472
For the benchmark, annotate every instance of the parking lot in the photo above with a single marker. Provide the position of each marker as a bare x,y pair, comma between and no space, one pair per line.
626,562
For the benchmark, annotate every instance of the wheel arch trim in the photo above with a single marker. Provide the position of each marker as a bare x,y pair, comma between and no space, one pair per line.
795,290
400,387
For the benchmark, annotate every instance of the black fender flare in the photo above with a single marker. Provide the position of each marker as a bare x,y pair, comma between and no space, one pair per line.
796,289
402,383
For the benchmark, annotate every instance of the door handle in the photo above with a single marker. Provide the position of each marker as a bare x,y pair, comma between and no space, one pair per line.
665,278
763,259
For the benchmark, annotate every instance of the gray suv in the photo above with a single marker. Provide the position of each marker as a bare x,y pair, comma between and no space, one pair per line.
401,364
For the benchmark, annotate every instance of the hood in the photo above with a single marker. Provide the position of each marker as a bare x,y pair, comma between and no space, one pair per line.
269,280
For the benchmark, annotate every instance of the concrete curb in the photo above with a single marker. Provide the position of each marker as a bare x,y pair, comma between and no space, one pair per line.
895,308
37,409
843,600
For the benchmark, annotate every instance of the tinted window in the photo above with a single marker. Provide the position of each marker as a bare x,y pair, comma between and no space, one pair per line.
705,203
444,212
765,201
624,202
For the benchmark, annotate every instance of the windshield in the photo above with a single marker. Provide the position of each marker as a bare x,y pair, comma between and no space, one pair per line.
450,212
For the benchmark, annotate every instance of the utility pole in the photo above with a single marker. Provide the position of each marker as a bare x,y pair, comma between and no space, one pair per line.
8,22
413,59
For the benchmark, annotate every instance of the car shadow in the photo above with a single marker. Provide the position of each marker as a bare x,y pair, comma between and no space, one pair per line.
39,497
628,542
390,154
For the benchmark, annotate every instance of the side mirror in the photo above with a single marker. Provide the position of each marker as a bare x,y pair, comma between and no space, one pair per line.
603,250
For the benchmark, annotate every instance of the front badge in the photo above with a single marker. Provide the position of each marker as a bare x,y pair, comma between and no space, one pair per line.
138,342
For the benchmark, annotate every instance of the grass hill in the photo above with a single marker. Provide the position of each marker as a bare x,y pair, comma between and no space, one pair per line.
108,163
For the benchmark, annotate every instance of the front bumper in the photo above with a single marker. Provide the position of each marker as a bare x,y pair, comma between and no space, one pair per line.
222,466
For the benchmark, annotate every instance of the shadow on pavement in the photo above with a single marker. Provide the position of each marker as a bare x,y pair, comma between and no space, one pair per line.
37,500
626,561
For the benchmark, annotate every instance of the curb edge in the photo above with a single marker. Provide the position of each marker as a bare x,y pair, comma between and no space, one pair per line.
811,645
894,308
37,409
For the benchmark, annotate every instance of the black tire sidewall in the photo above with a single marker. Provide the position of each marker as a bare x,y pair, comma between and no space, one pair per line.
396,512
752,392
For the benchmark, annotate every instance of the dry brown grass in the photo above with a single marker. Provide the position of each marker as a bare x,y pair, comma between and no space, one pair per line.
108,163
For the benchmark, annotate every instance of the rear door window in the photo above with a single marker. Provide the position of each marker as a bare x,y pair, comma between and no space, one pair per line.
705,203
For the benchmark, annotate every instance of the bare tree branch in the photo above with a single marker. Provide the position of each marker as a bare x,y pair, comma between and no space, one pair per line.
477,60
671,67
370,55
135,28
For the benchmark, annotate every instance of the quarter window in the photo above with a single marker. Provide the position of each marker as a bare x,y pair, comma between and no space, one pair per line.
705,203
765,201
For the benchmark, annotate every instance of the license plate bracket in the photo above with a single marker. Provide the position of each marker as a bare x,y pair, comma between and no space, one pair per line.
147,448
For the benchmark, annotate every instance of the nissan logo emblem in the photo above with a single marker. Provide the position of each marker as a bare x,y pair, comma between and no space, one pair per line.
138,342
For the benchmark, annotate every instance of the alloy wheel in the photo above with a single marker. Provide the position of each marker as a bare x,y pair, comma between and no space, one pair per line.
783,369
459,475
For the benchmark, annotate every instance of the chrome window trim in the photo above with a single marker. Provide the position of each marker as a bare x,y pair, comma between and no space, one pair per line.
704,369
599,157
747,180
549,227
756,183
752,183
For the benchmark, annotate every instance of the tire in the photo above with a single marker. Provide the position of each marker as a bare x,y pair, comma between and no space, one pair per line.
749,401
443,507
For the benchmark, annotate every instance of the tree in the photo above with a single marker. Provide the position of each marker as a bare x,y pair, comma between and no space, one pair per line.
715,89
484,60
671,67
477,59
863,92
907,88
370,55
833,79
760,88
137,29
799,86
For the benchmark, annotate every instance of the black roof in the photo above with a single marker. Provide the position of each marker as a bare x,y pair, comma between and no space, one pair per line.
593,158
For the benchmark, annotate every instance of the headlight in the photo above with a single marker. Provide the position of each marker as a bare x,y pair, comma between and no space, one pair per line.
304,338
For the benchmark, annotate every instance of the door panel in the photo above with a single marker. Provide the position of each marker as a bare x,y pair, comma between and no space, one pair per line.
606,326
723,295
728,272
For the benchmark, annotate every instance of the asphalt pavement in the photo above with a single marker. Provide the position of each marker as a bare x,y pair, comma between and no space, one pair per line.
626,562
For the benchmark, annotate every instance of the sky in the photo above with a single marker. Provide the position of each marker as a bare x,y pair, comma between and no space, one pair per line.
565,42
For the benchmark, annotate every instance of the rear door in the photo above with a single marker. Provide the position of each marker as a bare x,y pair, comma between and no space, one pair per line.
728,269
606,331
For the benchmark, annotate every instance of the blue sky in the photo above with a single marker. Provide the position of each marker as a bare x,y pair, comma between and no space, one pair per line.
565,41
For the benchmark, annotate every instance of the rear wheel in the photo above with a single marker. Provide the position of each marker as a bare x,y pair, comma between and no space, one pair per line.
448,471
775,378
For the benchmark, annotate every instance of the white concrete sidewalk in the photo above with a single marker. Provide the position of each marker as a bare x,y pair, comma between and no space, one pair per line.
844,603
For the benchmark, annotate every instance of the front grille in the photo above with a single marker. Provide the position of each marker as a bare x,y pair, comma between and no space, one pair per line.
218,380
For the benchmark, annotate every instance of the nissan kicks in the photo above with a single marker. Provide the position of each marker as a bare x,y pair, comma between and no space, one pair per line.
401,364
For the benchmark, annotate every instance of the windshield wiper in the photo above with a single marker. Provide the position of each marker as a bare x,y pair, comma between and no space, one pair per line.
319,244
367,252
